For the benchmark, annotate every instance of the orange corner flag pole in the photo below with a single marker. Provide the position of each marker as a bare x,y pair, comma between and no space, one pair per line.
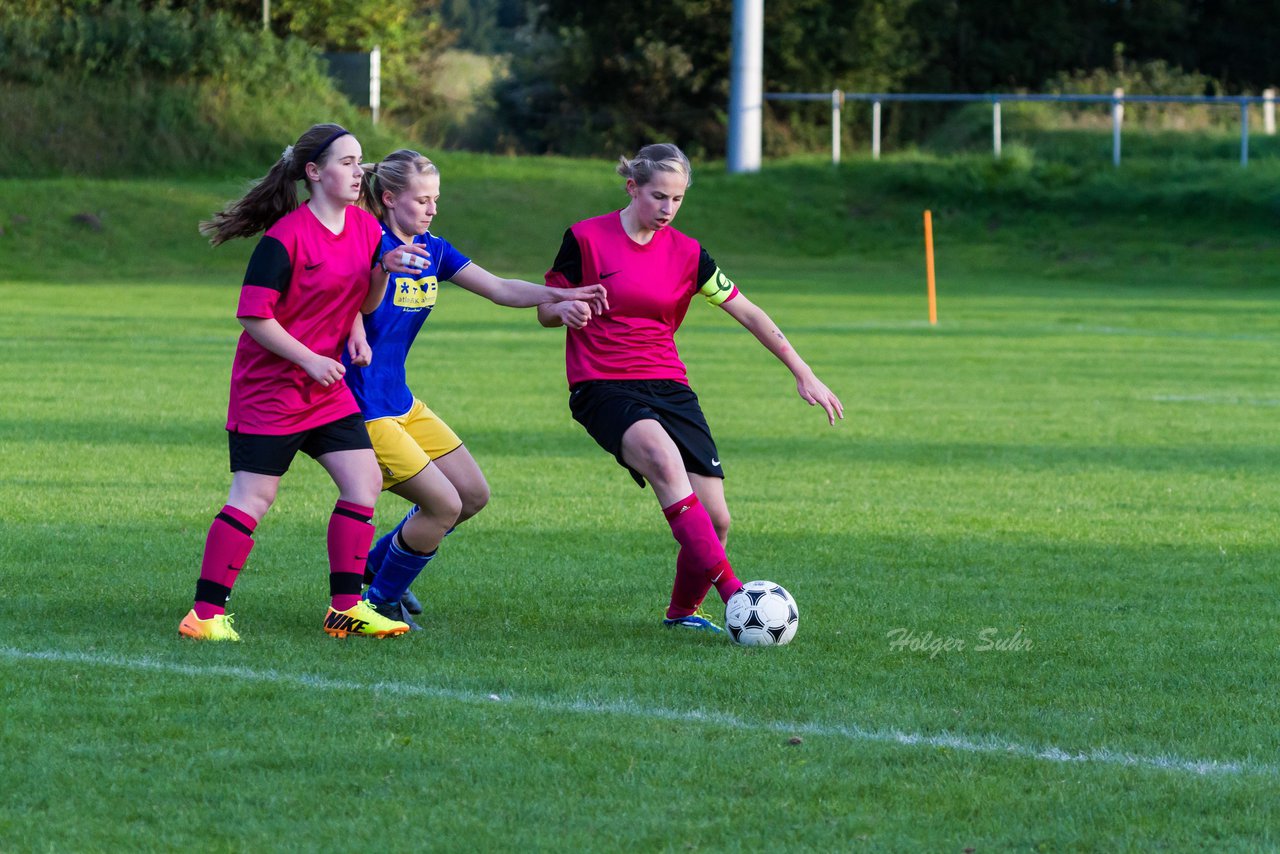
928,263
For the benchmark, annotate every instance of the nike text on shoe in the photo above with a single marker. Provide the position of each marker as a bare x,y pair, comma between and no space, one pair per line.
216,628
361,620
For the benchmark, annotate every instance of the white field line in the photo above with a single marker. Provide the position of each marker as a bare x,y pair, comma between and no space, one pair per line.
944,741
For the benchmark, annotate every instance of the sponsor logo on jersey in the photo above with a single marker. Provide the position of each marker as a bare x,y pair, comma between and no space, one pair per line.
416,294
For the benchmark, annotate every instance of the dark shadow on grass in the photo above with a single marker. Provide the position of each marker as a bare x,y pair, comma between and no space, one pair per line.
124,430
839,451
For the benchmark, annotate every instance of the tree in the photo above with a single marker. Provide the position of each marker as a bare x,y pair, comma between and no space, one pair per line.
613,74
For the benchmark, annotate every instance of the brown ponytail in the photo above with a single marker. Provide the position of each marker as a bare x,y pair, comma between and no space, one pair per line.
276,194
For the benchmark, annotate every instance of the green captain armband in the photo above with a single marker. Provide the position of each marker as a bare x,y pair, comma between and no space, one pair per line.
717,288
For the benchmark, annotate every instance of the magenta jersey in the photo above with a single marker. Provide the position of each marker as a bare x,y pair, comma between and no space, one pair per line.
649,286
312,281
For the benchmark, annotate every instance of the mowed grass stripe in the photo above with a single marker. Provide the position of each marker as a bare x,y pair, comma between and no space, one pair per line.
622,708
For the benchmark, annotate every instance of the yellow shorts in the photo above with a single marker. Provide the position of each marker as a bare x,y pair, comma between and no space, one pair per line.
405,444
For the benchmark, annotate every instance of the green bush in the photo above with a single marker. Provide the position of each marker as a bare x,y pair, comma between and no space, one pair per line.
116,89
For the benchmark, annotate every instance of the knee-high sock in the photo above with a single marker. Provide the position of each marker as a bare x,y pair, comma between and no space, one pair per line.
379,551
225,550
701,561
400,566
350,533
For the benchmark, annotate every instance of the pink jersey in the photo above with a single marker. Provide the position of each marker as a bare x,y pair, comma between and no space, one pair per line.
312,281
649,286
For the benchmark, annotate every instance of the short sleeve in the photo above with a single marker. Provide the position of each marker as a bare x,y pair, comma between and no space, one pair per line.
265,280
566,271
451,261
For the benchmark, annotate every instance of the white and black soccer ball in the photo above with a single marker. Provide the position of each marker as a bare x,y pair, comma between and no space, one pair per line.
761,614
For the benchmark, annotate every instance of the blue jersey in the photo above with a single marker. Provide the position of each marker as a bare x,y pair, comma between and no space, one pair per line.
381,389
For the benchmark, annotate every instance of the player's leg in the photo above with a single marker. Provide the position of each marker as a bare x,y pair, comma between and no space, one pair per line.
405,445
468,482
414,544
683,420
710,492
344,450
408,448
226,548
649,450
257,464
464,473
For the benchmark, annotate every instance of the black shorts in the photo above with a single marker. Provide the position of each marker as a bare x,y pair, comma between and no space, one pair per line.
607,408
261,454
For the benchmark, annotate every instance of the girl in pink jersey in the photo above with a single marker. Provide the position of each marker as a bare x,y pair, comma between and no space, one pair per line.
628,387
315,267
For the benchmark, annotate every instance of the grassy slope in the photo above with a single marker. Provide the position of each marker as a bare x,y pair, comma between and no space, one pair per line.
1041,218
1083,450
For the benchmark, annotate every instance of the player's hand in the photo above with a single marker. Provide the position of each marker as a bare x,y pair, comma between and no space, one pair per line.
323,370
575,314
594,295
815,393
409,258
359,350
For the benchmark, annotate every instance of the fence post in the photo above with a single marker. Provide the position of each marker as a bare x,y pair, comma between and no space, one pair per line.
1117,116
1244,132
995,128
375,81
1269,111
837,99
875,130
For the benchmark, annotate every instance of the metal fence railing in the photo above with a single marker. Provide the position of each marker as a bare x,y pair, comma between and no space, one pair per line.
1117,100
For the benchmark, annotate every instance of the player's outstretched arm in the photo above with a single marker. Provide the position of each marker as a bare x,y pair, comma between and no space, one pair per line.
518,293
811,389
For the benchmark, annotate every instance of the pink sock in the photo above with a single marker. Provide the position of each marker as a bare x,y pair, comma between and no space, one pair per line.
226,549
701,561
725,581
350,535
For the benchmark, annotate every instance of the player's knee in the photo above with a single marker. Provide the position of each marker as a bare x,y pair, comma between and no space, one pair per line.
365,494
443,510
474,500
659,463
720,519
256,501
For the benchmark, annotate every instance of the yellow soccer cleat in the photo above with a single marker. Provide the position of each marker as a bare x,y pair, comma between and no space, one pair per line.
216,628
361,620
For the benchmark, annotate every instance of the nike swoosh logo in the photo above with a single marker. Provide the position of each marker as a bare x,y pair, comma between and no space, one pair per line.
714,461
604,276
313,266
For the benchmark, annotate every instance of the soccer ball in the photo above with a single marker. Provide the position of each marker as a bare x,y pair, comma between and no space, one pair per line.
761,614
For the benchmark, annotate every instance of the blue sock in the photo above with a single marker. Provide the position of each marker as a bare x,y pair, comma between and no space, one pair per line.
378,553
399,569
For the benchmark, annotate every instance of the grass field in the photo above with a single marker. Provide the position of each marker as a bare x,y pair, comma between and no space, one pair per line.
1080,461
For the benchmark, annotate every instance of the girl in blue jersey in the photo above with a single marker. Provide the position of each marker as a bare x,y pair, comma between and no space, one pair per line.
421,458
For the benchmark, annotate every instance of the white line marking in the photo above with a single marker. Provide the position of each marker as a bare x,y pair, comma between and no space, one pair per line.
983,745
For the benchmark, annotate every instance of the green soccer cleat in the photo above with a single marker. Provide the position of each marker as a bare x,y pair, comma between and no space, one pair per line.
216,628
361,620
